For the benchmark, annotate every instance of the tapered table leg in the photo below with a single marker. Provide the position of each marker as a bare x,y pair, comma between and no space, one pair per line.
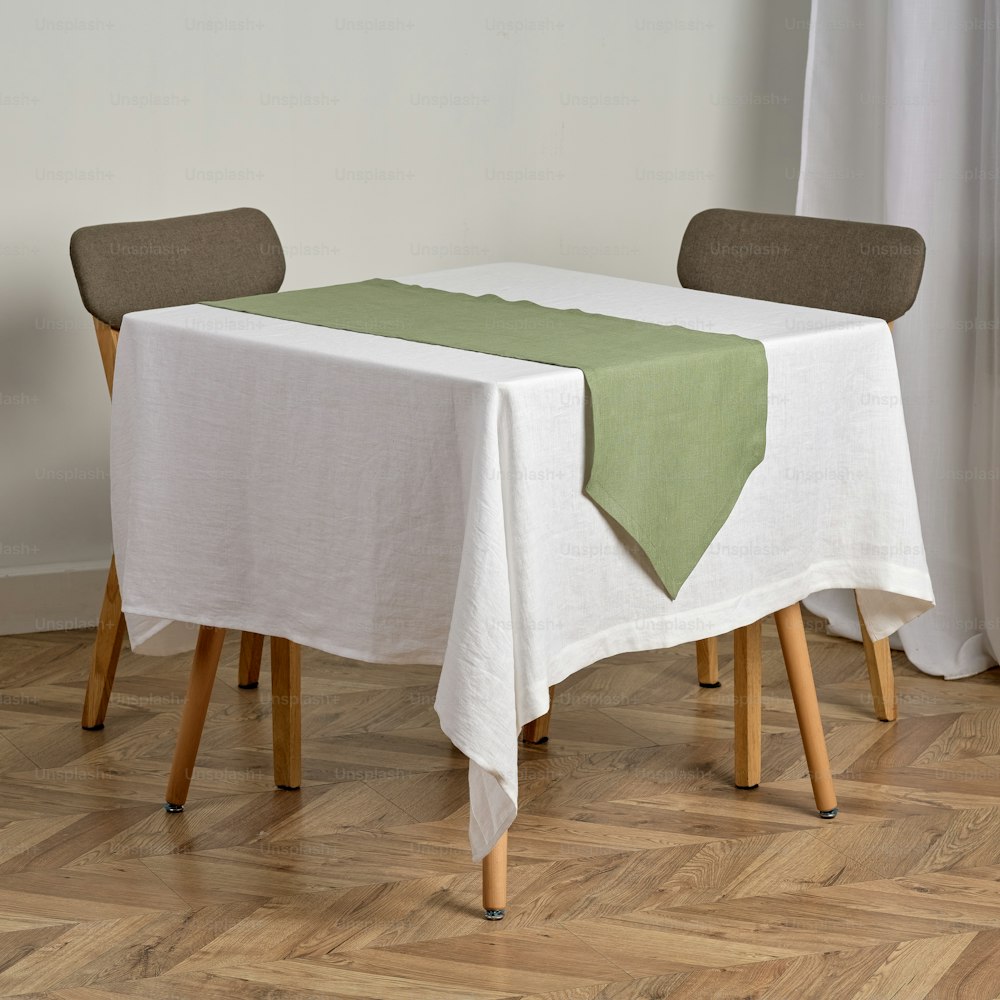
251,651
203,668
800,679
538,730
746,704
707,655
286,712
495,881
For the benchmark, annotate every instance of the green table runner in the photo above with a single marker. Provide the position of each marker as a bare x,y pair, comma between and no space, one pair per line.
676,417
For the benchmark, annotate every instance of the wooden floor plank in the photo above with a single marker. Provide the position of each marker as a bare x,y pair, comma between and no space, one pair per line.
636,870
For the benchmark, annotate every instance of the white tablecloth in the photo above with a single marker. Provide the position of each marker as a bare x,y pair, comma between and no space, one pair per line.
400,502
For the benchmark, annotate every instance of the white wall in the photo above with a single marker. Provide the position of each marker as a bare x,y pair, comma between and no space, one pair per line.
382,138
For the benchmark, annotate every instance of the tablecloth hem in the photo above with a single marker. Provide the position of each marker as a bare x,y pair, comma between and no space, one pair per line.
396,657
633,636
722,618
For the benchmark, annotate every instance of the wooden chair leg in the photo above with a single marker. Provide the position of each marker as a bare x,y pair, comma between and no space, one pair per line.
538,731
707,655
495,881
879,659
251,651
746,704
111,624
792,636
107,649
203,668
286,712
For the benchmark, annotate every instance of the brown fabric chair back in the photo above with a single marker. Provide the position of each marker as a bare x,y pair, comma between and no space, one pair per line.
853,267
127,266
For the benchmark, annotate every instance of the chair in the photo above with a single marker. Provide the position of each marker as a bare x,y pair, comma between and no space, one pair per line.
852,267
125,267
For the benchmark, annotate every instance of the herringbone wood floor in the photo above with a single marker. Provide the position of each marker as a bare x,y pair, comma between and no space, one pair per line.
637,871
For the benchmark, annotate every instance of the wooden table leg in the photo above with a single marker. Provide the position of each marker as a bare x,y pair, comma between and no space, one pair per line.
107,649
251,651
203,668
286,712
707,655
538,730
746,704
800,679
878,656
495,881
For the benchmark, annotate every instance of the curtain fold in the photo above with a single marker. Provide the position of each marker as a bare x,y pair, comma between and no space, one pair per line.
901,126
985,431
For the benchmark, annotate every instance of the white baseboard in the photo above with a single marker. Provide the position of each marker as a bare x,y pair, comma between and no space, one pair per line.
51,598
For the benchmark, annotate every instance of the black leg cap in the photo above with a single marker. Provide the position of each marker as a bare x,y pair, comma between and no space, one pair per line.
288,788
747,788
717,684
172,807
248,687
828,813
535,743
94,729
494,914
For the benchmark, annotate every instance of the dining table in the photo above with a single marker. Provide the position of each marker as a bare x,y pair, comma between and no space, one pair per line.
394,501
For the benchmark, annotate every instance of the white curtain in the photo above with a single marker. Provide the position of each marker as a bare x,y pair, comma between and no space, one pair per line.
901,126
